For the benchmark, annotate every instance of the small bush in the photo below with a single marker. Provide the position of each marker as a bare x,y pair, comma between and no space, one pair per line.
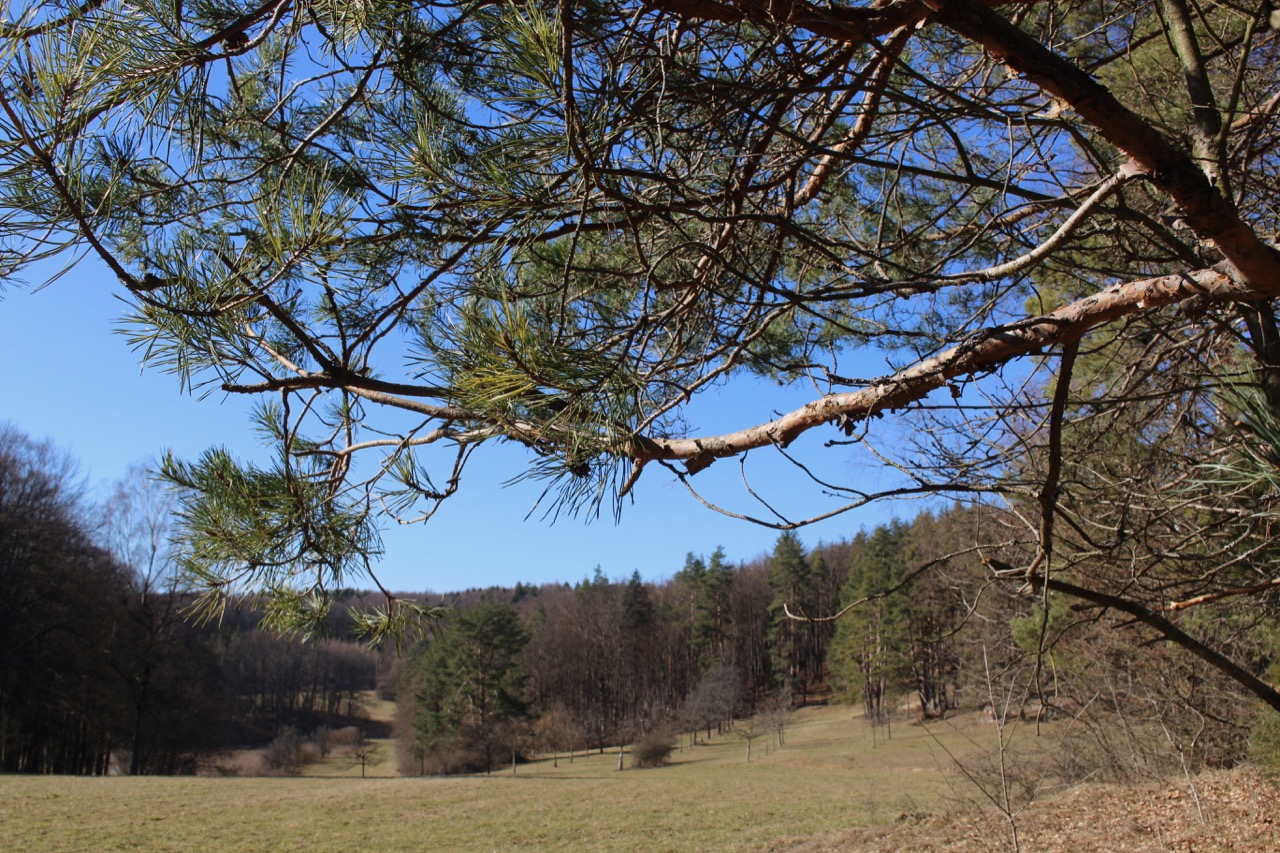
652,750
455,760
284,754
239,762
321,738
388,685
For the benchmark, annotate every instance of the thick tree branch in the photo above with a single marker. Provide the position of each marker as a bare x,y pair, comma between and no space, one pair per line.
982,353
1204,107
1169,631
1172,170
851,24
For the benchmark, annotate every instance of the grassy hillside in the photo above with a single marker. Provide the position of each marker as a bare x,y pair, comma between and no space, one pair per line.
828,778
830,789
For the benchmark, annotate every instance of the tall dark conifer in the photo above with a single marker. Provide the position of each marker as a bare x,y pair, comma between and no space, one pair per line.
471,688
789,577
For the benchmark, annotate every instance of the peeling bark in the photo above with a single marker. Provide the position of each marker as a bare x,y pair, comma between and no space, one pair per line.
982,353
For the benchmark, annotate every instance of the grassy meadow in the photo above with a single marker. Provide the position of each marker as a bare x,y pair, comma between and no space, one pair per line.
828,777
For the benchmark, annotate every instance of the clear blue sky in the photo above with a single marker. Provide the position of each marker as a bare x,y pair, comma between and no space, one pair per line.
70,377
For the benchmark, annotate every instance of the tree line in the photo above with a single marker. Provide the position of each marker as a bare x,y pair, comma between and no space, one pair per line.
99,662
720,646
102,668
557,667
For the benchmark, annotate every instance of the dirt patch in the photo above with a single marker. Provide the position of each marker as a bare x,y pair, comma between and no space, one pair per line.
1236,810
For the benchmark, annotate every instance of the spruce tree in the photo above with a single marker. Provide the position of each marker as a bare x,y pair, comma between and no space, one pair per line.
470,689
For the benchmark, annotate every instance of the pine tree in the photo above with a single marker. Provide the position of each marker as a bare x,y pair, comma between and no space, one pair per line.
869,651
713,620
470,688
789,577
576,219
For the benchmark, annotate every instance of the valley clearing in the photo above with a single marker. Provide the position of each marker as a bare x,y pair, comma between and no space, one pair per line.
829,788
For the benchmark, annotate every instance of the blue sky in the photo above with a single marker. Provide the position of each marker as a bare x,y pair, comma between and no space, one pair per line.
70,377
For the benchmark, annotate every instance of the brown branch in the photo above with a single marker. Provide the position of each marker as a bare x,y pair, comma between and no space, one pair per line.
856,24
234,32
447,413
1208,121
10,31
882,67
1209,214
1048,498
906,581
82,218
1049,491
1257,115
1229,592
982,353
340,381
1170,632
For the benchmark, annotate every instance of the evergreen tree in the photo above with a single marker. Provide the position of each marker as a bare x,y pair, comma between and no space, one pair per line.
470,688
639,638
638,614
870,644
707,586
713,621
789,577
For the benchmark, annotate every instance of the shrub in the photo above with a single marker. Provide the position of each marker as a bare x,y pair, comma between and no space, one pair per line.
345,737
284,754
447,761
652,750
387,687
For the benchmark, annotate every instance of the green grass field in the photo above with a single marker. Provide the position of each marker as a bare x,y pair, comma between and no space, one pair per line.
828,777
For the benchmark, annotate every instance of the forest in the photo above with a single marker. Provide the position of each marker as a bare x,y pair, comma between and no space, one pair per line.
102,668
552,668
105,666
